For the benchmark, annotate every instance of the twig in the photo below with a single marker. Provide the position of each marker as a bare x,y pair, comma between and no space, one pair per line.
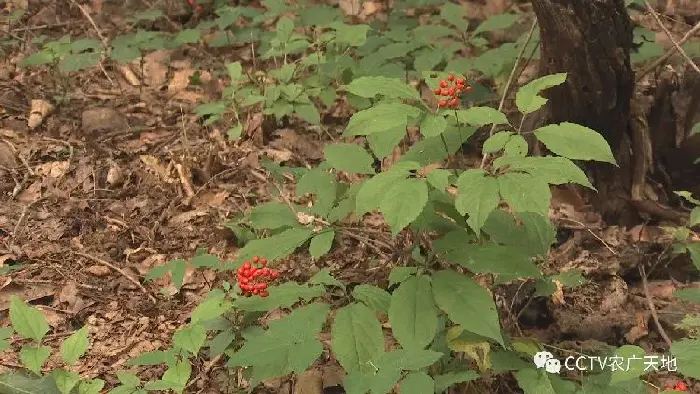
670,52
366,241
510,81
204,372
670,36
652,308
120,271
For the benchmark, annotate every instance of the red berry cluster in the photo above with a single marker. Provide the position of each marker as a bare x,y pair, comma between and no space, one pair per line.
680,386
451,88
250,275
197,7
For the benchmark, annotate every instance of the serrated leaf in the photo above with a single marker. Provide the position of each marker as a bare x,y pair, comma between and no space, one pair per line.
454,14
369,87
495,259
21,383
496,22
349,157
553,170
352,35
383,144
417,383
93,386
481,116
324,277
34,357
433,125
534,381
357,338
525,193
323,185
462,298
533,237
400,274
432,150
634,364
374,297
75,346
274,247
688,294
65,380
442,382
289,345
477,196
412,313
79,61
282,296
190,338
321,244
371,192
26,320
516,146
380,118
496,142
408,360
439,178
528,99
694,217
575,142
687,353
403,202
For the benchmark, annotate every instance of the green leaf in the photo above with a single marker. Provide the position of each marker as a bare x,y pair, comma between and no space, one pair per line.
403,202
75,346
26,320
575,142
439,178
533,237
516,146
190,338
687,353
694,217
177,375
496,22
321,244
496,142
534,381
401,274
352,35
282,296
221,342
357,339
634,364
462,298
188,36
323,185
525,193
502,260
93,386
154,357
324,277
412,313
432,150
22,383
383,144
289,345
528,99
408,360
553,170
689,294
274,247
477,196
371,192
34,357
235,71
443,382
433,125
380,118
211,308
417,383
481,116
454,15
65,380
369,87
349,157
79,61
374,297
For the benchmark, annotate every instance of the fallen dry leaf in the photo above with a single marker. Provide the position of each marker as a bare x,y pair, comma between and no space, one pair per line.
103,119
53,169
38,111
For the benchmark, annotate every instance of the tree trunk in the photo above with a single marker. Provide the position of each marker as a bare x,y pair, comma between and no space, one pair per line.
591,42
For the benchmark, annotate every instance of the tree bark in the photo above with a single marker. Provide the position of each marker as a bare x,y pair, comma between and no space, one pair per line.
591,40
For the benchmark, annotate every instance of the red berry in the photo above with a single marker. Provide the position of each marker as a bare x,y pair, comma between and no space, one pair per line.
451,77
261,286
437,91
192,2
263,261
453,103
461,81
256,291
442,103
274,274
256,259
681,386
198,8
451,92
443,84
264,294
243,280
246,265
265,271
